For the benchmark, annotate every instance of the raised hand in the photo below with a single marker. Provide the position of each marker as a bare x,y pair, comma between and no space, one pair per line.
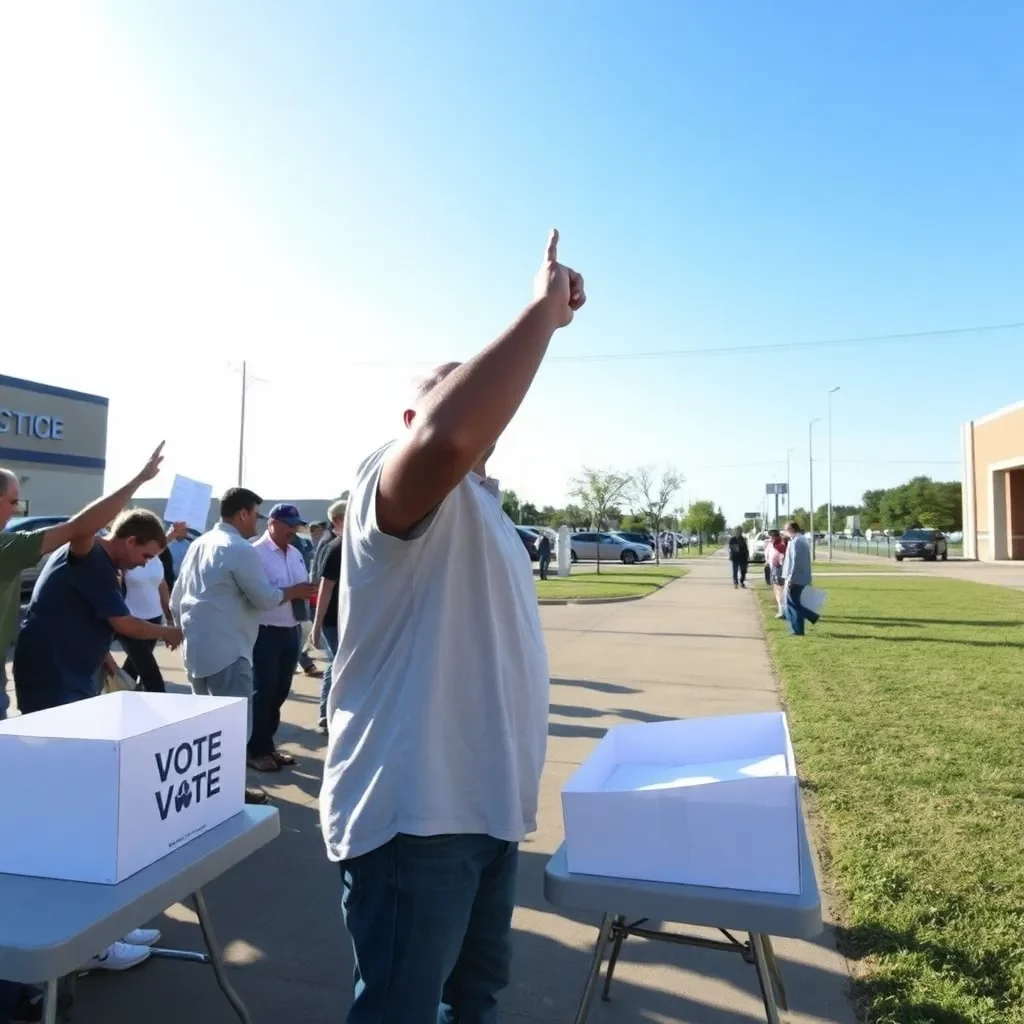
559,285
152,467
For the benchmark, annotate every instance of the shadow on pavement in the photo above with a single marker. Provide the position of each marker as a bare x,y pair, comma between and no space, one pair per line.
590,684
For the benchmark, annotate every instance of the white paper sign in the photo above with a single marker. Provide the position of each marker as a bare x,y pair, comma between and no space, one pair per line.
189,503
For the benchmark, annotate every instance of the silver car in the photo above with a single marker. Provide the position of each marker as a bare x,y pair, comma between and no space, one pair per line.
612,548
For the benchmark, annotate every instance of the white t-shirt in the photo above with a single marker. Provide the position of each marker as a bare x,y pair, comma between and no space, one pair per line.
142,590
439,707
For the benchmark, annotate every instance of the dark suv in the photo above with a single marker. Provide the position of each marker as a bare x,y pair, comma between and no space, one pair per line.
928,544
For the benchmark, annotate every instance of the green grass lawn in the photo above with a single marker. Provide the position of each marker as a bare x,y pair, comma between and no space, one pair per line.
694,553
907,709
881,566
619,582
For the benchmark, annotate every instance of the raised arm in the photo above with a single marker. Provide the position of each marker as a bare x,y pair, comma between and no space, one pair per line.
464,415
83,526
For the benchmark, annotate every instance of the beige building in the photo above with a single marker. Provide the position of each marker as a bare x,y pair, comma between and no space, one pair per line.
993,454
55,441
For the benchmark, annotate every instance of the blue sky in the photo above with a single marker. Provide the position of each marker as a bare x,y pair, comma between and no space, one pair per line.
345,193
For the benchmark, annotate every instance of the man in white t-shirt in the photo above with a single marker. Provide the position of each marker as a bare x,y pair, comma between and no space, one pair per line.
437,713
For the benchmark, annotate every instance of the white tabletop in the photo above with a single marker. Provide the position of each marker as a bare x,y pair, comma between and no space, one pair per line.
765,913
50,927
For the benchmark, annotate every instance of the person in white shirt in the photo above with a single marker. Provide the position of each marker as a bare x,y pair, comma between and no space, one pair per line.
218,599
276,654
147,596
438,708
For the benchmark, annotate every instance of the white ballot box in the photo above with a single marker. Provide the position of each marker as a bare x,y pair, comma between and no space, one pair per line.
702,801
97,790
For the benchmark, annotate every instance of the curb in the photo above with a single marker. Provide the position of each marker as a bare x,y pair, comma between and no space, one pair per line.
594,600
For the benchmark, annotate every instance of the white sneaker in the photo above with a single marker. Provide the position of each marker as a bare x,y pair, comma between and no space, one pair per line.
118,957
142,937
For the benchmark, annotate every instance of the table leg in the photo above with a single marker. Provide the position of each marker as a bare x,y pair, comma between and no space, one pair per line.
595,969
620,937
764,976
216,959
773,969
50,1002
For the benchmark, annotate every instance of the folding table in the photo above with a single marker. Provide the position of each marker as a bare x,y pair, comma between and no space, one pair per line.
50,927
629,906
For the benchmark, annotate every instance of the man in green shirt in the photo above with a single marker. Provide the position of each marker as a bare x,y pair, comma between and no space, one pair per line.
19,551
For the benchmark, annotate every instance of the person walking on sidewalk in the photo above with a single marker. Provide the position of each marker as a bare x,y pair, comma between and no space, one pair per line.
438,710
218,598
739,556
796,573
279,640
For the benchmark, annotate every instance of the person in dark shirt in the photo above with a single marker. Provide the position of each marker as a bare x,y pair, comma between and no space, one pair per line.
739,555
325,626
76,608
543,554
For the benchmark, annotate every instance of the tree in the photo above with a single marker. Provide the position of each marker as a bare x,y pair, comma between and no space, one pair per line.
528,515
653,495
510,505
701,518
598,492
802,517
871,508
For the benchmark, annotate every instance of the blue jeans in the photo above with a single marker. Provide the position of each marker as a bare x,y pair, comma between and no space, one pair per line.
273,664
739,572
430,920
330,635
796,613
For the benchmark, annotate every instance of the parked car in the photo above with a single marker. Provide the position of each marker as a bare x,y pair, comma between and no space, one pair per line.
612,548
529,538
757,546
928,544
635,537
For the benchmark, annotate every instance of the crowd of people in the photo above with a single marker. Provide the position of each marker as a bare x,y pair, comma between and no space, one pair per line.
435,705
787,570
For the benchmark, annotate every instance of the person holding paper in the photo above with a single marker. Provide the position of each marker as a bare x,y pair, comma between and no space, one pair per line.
218,599
438,707
796,574
20,551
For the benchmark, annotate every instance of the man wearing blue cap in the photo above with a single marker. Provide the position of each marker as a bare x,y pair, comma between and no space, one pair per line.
276,654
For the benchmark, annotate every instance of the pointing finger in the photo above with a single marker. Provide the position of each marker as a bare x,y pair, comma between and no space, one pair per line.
552,252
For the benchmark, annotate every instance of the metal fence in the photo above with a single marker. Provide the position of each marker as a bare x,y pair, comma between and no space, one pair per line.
882,547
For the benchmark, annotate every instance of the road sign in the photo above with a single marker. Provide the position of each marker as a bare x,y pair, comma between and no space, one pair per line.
751,515
776,488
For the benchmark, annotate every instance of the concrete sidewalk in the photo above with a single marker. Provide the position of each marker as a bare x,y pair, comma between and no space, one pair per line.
694,648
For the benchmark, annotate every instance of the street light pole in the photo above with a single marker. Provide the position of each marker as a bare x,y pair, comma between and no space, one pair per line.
830,394
810,467
789,490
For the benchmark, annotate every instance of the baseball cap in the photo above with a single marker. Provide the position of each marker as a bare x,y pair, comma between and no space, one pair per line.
286,514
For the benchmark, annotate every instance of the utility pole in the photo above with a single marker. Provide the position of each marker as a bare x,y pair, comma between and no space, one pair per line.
241,424
810,467
246,381
830,394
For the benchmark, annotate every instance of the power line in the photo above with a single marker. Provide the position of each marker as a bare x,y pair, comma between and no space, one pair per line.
788,346
848,462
